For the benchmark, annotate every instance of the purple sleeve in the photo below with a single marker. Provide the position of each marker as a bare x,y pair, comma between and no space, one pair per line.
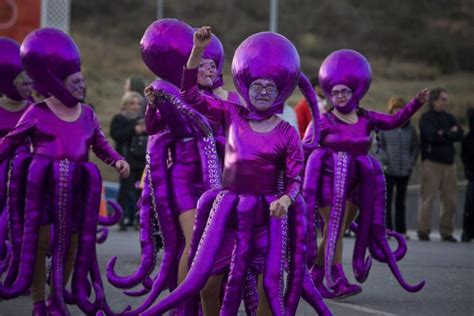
101,147
153,121
294,161
25,127
212,108
386,121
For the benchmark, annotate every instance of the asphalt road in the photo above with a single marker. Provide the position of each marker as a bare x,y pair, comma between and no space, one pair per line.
447,268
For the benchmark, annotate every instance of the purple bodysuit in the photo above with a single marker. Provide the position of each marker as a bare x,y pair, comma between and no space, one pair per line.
355,140
257,163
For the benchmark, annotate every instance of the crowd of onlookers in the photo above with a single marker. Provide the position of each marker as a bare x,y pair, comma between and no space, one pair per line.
397,151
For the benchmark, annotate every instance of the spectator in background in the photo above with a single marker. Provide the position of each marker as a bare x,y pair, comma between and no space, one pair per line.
135,83
397,152
438,130
467,156
128,131
303,113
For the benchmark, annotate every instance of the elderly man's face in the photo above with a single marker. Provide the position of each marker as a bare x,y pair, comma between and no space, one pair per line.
262,93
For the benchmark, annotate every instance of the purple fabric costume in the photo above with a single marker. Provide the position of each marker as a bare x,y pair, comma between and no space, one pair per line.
172,186
341,168
10,69
57,178
233,231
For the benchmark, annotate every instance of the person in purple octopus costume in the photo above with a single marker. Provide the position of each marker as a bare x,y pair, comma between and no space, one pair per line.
173,182
15,89
341,170
244,227
59,179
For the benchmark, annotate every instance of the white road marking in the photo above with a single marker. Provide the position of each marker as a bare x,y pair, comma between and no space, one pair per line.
360,308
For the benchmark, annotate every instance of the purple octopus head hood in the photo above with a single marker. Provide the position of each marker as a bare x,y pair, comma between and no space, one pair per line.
266,55
215,51
165,47
10,67
347,67
49,56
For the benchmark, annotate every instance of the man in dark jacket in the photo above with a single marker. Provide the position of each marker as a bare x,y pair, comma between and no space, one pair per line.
438,132
467,156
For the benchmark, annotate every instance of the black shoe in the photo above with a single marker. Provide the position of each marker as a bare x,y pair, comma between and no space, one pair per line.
449,238
424,237
123,228
465,238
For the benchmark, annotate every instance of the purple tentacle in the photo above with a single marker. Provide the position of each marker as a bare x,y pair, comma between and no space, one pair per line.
8,254
308,91
240,255
136,293
311,295
4,169
104,233
312,180
155,201
157,179
210,164
15,203
147,284
250,294
3,235
275,265
99,288
341,174
63,172
360,265
203,209
379,230
297,225
201,267
86,253
115,217
377,253
37,174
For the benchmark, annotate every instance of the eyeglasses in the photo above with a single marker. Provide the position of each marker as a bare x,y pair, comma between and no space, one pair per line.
258,88
342,93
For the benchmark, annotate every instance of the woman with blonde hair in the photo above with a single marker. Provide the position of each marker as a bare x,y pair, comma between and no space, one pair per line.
127,129
397,153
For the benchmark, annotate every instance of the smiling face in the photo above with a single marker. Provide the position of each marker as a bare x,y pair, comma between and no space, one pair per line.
340,95
262,94
207,72
76,85
24,85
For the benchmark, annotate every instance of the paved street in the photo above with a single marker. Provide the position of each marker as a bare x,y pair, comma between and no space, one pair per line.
447,268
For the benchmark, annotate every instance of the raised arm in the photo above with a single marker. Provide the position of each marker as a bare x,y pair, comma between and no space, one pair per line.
384,121
213,108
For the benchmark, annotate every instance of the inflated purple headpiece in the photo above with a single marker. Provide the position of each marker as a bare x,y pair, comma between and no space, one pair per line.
49,56
165,47
266,55
215,51
347,67
10,67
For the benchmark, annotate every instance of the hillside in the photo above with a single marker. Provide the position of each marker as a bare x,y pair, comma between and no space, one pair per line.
410,44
